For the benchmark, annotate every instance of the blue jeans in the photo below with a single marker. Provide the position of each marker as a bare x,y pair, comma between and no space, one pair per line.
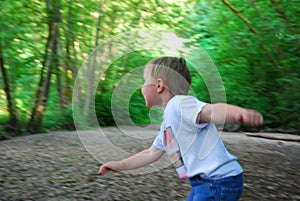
225,189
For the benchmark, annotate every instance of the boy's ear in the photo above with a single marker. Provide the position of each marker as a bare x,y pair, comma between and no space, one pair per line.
160,85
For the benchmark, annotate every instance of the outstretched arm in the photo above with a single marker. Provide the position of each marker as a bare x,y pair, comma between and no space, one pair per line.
226,113
138,160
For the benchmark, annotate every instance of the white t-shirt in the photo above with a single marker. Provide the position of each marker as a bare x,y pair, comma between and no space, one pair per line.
193,148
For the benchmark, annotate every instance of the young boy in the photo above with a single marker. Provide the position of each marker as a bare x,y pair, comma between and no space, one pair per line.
188,134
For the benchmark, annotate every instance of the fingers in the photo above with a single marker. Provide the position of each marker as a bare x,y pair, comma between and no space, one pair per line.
252,118
103,169
109,166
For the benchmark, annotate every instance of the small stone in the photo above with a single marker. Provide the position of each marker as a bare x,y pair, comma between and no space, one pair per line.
90,179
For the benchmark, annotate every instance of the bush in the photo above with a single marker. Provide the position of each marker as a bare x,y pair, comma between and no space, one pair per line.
138,112
59,120
103,109
2,134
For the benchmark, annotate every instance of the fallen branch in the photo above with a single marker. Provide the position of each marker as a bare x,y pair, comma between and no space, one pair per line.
275,137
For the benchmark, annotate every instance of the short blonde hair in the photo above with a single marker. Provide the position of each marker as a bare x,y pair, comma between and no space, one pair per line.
173,71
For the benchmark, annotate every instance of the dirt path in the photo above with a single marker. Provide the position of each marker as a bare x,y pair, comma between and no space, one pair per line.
56,166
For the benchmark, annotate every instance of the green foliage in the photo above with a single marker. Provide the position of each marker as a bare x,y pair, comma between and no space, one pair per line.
103,109
259,70
58,119
137,109
139,114
288,102
2,134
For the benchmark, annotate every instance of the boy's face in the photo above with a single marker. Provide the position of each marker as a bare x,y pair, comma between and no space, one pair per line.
149,89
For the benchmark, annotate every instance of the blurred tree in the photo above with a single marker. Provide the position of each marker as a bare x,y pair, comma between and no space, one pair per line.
50,64
255,45
12,122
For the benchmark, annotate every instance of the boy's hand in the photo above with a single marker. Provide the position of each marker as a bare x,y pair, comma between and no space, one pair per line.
138,160
251,118
107,167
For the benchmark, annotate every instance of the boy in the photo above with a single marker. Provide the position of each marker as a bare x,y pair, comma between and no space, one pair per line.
188,134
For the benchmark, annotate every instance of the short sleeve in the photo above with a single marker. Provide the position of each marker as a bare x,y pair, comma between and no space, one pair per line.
190,108
158,141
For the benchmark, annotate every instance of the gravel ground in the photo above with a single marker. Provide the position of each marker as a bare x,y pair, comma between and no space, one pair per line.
57,166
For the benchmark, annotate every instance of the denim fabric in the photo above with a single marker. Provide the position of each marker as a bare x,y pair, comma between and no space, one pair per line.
225,189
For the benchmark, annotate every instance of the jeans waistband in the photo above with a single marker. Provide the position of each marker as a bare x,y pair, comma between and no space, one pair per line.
198,178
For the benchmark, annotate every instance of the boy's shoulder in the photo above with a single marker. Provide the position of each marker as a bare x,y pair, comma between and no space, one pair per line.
179,102
183,109
186,99
186,104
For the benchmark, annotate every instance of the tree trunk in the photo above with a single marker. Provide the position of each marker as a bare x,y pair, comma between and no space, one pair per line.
10,106
59,85
91,71
50,62
69,63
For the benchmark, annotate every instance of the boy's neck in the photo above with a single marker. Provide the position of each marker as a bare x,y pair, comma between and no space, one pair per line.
166,98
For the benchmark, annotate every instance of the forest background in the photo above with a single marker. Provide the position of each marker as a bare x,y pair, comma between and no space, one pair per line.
43,44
